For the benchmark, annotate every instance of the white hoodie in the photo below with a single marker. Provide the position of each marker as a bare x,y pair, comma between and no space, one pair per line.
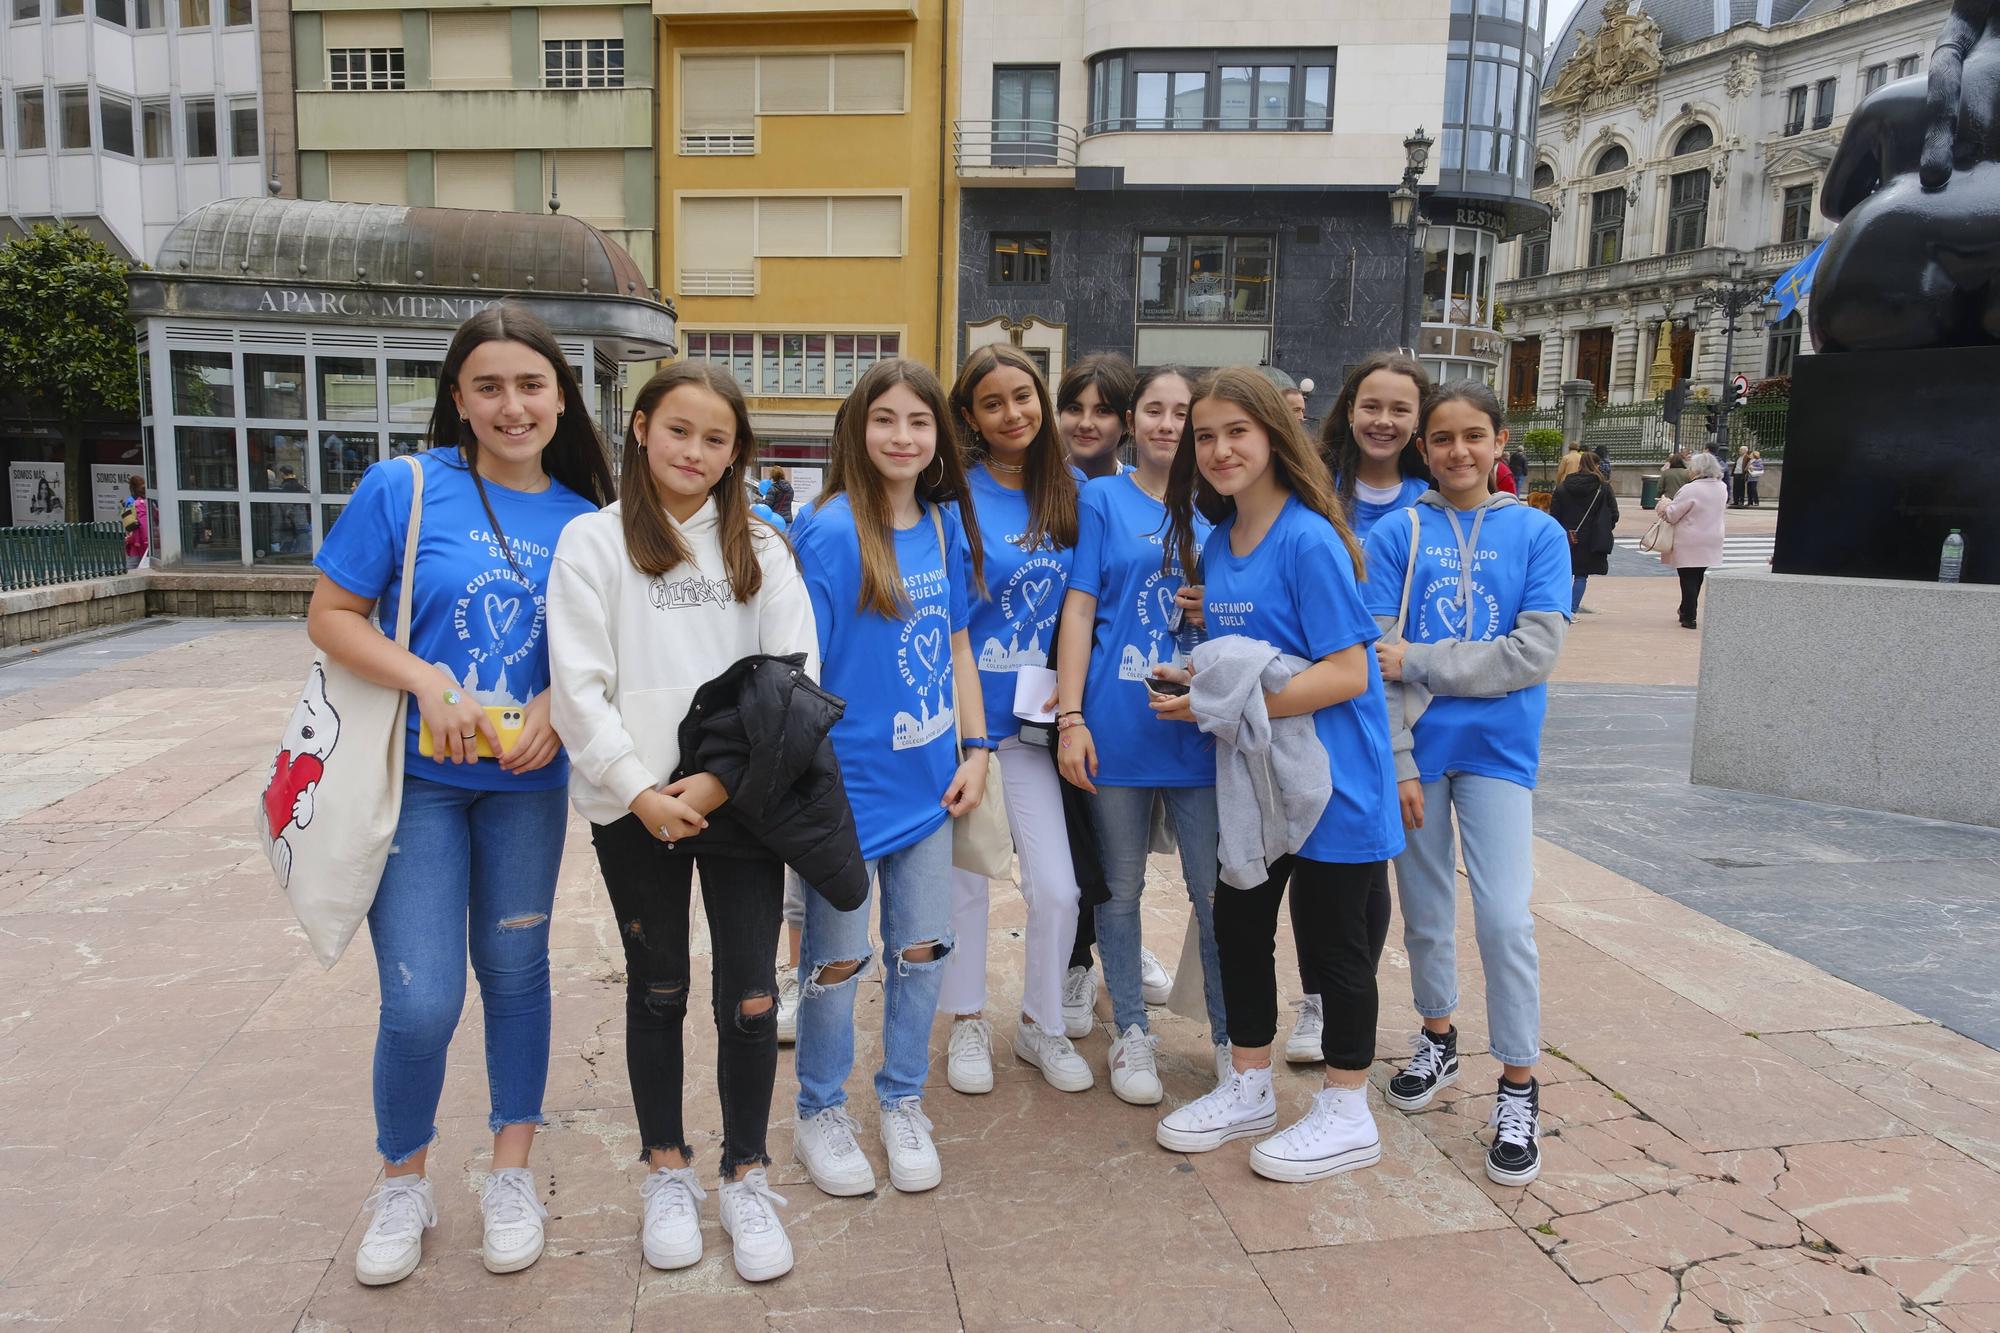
627,651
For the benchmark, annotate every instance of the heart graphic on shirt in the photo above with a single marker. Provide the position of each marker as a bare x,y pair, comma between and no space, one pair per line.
1450,616
929,646
1034,592
1165,597
501,613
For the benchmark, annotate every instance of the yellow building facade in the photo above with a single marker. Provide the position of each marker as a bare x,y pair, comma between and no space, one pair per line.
808,213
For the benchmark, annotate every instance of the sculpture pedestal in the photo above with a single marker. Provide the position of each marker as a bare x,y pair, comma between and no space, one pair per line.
1886,453
1870,693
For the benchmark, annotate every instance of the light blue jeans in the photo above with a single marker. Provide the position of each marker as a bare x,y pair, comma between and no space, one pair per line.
1122,817
1577,583
469,871
1495,818
914,888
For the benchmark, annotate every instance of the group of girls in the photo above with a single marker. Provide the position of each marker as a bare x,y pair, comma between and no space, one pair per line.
959,539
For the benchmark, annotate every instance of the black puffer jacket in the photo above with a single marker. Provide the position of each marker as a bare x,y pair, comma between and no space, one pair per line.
764,729
1586,507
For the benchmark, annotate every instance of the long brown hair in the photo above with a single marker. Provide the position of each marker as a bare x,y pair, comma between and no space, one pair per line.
651,541
849,472
1336,434
1050,488
1301,470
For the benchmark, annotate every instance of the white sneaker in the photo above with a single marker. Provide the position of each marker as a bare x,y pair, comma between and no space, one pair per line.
1135,1072
514,1220
763,1250
824,1144
1225,1064
670,1202
1242,1106
394,1241
1337,1134
968,1056
788,1005
913,1159
1079,1002
1303,1046
1052,1053
1155,983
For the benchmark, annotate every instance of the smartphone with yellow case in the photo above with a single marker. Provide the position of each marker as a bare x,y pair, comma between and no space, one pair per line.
508,719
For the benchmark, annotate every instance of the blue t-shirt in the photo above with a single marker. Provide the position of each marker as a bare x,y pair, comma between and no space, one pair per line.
480,620
1296,591
895,744
1363,515
1522,564
1013,626
1121,535
1081,478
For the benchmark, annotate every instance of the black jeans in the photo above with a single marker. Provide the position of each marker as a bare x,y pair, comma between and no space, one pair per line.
1739,483
1330,901
744,899
1378,926
1690,592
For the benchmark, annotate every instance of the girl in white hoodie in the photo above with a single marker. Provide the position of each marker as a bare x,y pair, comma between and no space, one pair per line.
650,599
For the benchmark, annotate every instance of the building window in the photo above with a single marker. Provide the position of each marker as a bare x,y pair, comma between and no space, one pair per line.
114,122
243,128
1545,176
1782,347
1823,94
842,83
1614,158
1205,279
156,131
721,237
1020,258
1795,109
1607,227
1489,108
112,12
198,123
1694,139
194,13
26,11
1535,255
794,365
74,117
1191,90
1908,65
31,123
357,69
236,13
1687,211
1024,115
584,62
149,15
1795,217
69,9
1873,77
1459,276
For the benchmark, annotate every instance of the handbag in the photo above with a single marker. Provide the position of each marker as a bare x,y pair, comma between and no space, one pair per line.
980,840
1659,538
329,809
1415,697
1590,509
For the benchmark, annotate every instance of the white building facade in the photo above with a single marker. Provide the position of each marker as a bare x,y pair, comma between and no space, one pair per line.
1686,133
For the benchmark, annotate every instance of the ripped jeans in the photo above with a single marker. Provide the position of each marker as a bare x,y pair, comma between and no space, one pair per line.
650,887
472,872
914,888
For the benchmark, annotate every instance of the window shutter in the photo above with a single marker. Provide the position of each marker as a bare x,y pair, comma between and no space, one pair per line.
567,21
718,94
368,178
866,81
792,85
361,27
868,225
471,48
791,226
476,180
593,185
716,234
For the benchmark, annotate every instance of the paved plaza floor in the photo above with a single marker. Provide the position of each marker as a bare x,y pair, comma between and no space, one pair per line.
1736,1135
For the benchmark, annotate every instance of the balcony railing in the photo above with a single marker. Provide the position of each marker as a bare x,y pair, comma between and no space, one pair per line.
981,145
1782,255
1238,124
1710,262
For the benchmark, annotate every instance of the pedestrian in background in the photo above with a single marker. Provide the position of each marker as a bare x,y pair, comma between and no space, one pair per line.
1588,511
779,496
1739,478
1674,475
1697,515
1756,475
137,516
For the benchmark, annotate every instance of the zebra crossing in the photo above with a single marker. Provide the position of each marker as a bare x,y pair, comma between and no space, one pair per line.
1749,551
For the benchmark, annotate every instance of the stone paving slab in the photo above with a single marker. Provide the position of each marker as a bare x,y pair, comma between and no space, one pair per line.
1733,1136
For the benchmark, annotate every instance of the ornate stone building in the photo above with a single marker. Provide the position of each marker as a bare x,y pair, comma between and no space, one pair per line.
1674,136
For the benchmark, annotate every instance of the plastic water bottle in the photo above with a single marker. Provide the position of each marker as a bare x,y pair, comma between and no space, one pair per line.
1952,559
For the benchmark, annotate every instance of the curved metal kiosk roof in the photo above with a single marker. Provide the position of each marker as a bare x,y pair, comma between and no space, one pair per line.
383,264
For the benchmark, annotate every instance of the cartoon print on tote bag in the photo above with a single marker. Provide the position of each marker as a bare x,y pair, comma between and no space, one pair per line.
297,768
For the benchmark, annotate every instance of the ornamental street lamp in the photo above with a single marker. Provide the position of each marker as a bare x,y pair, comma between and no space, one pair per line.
1406,219
1729,299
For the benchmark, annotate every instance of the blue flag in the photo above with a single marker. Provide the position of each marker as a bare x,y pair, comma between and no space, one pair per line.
1795,282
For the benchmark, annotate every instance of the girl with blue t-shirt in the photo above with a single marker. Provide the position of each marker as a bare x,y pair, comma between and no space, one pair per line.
1120,629
891,558
1280,572
1027,515
1488,606
514,458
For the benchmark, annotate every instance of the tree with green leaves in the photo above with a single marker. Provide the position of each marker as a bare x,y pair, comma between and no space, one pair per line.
66,345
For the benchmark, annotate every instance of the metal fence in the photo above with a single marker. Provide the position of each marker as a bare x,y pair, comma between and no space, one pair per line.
1637,435
60,553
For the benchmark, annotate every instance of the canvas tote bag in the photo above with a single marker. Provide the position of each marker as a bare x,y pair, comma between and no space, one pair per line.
335,792
980,841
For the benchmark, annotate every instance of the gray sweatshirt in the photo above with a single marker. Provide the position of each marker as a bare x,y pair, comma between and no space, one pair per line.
1272,776
1469,668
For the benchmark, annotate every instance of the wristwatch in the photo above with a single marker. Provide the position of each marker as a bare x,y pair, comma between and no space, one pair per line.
979,743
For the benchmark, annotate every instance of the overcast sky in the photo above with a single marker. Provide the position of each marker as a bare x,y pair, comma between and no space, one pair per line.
1559,14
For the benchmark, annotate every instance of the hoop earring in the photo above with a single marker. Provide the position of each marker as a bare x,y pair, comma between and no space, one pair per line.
728,469
938,458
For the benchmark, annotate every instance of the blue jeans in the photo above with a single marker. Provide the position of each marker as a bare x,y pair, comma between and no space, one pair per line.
1576,583
1495,818
914,887
469,871
1122,817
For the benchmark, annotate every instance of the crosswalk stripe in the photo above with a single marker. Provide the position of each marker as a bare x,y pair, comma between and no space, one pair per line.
1738,552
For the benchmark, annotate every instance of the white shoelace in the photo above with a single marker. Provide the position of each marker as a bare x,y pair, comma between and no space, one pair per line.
1310,1011
1513,1120
837,1131
1076,988
510,1199
670,1192
1137,1050
753,1200
1055,1044
401,1211
1426,1057
1215,1105
907,1121
975,1033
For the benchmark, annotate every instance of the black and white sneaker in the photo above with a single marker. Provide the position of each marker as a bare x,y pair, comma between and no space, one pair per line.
1433,1065
1516,1155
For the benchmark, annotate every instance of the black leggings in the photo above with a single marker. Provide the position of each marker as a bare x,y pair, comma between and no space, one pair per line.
1330,905
744,899
1378,926
1690,592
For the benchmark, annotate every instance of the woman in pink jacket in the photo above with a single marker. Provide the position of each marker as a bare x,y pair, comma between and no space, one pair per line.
1696,514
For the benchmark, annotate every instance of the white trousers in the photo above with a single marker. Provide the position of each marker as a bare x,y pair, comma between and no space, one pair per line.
1048,883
